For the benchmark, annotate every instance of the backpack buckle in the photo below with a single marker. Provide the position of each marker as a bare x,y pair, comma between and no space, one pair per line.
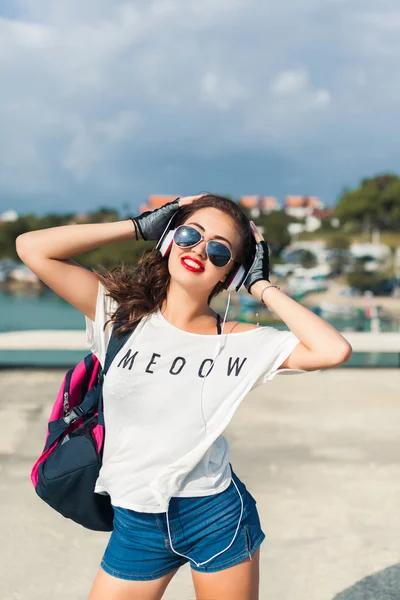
100,377
73,415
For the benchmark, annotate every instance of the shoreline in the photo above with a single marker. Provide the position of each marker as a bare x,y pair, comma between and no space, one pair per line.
390,305
17,286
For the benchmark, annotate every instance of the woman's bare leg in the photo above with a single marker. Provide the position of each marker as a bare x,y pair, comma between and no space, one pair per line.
106,587
240,582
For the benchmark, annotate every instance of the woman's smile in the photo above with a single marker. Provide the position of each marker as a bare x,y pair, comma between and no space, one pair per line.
191,265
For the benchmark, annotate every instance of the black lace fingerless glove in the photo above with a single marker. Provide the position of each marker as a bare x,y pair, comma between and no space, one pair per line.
152,223
260,267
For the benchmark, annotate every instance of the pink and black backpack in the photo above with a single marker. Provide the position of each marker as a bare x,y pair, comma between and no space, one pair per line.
65,473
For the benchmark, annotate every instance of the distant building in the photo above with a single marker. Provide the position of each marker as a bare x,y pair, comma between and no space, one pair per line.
156,202
297,206
23,273
269,204
293,253
324,257
374,256
259,205
8,216
375,251
80,218
323,213
302,206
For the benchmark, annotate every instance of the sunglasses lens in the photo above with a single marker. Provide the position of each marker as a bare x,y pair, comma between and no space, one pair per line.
186,236
218,253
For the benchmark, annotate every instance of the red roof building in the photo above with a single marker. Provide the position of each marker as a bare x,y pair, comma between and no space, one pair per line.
259,204
156,202
268,204
324,213
301,206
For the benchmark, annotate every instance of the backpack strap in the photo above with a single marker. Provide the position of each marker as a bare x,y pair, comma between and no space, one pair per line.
218,323
114,345
93,399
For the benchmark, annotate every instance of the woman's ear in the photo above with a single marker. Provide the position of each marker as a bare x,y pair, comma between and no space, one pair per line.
228,274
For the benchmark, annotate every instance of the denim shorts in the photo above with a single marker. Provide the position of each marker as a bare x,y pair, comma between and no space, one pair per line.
200,528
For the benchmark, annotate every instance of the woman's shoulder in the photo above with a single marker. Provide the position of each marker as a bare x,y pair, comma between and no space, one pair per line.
238,327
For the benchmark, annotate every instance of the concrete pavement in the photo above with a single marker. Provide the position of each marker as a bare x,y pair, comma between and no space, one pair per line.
320,452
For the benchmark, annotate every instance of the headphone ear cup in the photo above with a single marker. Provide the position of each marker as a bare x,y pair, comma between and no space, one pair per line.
234,280
165,242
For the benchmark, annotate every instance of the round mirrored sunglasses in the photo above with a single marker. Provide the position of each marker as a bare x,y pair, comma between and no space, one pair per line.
186,236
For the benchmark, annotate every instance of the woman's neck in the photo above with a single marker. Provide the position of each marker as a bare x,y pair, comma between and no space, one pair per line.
186,312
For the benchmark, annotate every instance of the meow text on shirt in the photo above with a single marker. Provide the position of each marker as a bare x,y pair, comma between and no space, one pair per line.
178,364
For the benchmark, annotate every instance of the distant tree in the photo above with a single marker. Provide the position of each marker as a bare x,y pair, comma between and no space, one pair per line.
111,255
275,230
326,225
389,206
308,259
104,215
338,241
54,220
10,230
382,182
364,280
376,203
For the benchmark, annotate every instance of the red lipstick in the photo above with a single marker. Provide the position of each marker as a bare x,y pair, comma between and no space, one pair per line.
190,267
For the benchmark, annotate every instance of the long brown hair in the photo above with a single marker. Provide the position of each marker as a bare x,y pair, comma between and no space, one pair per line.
141,290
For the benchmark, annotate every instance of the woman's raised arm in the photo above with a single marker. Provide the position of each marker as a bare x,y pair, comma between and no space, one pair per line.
48,252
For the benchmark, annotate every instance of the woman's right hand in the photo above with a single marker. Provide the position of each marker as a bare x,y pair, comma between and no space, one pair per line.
152,223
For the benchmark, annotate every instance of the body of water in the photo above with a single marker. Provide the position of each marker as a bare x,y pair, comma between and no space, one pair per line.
22,312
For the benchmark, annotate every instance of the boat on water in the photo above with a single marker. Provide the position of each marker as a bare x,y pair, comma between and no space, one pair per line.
299,285
328,309
12,271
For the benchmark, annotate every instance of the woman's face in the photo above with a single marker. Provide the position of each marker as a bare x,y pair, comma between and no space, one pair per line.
212,224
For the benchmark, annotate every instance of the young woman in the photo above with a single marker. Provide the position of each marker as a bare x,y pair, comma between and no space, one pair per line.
174,387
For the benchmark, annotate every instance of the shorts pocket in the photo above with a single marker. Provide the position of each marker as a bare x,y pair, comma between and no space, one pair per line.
248,541
254,534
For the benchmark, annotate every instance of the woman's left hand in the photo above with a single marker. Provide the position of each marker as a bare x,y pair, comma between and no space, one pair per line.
260,267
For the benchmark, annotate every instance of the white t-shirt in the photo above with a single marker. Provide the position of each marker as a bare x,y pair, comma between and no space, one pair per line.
163,432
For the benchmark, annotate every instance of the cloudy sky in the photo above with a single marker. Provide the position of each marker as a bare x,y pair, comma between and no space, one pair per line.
105,102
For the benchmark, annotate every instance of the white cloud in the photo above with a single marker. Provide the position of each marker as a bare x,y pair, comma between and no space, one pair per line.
221,92
320,98
290,82
296,85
